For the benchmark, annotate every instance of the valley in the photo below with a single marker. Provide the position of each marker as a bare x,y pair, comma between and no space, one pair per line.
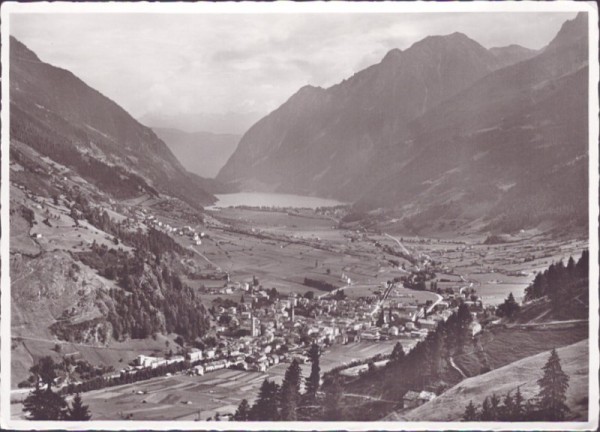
390,246
278,248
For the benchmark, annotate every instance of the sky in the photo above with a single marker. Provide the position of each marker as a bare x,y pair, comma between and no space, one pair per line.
180,64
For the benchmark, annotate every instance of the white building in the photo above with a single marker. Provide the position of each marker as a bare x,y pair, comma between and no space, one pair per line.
195,355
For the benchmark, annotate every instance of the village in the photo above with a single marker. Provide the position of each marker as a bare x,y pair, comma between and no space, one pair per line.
265,330
350,288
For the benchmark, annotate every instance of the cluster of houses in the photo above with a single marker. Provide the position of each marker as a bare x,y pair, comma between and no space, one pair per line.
152,221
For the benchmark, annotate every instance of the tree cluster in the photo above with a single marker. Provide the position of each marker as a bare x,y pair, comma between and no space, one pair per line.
275,402
547,405
558,282
45,404
145,305
319,284
509,308
426,364
287,402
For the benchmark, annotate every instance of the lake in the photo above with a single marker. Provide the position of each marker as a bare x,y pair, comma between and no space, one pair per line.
267,199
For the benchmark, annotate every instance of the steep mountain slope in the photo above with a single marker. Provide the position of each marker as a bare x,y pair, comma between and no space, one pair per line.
524,373
514,144
83,177
321,140
203,153
58,114
495,138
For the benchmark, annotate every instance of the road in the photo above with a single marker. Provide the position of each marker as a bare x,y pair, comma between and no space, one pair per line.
218,268
457,368
439,299
406,251
333,291
548,323
61,342
369,397
387,292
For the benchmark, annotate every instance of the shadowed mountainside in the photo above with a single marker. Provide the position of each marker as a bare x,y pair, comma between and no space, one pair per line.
60,116
444,127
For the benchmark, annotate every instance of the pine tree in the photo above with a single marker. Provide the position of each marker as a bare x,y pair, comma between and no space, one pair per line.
553,389
494,406
44,371
571,266
509,308
518,409
44,404
507,409
290,392
333,399
582,266
470,412
266,406
486,410
243,411
398,353
313,381
78,411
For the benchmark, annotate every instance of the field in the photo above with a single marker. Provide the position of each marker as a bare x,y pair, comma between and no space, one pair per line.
280,250
411,296
294,248
524,373
181,397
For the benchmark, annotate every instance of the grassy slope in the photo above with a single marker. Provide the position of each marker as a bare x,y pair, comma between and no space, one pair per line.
504,346
451,404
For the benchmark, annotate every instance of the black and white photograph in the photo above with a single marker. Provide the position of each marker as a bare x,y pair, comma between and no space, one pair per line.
313,215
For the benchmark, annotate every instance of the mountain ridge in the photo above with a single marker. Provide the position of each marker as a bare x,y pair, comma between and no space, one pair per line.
203,153
86,123
360,139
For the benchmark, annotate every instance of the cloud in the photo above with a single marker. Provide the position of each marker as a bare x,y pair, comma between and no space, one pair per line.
177,64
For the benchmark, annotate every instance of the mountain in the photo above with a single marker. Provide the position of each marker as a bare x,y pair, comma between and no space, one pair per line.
443,129
512,148
512,54
203,153
60,116
320,140
91,265
235,123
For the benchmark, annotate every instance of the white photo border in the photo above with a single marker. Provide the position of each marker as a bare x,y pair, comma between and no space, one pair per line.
289,7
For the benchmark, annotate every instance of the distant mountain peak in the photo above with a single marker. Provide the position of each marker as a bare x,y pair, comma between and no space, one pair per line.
442,40
308,93
392,54
571,31
511,54
310,89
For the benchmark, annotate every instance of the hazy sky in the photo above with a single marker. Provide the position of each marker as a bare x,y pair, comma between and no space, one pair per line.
179,64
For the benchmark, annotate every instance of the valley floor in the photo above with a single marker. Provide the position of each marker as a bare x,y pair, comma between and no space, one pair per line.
280,249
